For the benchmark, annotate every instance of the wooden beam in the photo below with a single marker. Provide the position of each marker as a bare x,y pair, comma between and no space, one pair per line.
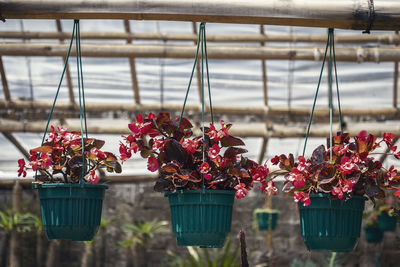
349,14
18,105
219,38
395,79
263,150
17,144
6,91
351,54
67,71
264,71
135,84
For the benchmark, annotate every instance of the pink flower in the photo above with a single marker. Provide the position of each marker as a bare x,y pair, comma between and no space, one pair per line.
337,191
125,152
212,133
46,161
355,158
190,146
346,166
136,126
98,153
270,189
204,167
241,190
260,173
302,165
207,176
224,129
151,116
158,143
302,197
347,186
391,173
388,138
93,177
22,168
213,151
152,164
275,160
297,178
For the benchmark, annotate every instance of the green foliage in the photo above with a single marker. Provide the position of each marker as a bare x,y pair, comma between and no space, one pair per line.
228,256
23,222
140,232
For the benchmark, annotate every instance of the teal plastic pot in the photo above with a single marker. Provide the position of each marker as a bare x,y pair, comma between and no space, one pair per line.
387,223
266,218
373,234
71,211
201,217
332,225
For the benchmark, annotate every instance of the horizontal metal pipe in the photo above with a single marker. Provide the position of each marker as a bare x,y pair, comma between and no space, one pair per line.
221,38
353,54
346,14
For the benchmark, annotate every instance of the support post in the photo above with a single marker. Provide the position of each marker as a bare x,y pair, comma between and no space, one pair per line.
395,79
6,91
132,65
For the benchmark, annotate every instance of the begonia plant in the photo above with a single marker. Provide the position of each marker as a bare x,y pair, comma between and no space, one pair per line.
59,159
353,170
170,148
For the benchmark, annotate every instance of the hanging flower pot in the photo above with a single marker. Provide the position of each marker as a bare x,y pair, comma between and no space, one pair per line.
70,198
71,211
331,224
266,218
199,174
387,222
373,234
201,218
332,185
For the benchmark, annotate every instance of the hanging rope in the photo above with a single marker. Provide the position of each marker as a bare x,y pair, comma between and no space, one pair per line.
82,107
201,45
329,44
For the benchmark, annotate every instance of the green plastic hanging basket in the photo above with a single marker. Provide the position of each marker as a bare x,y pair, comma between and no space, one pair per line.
266,218
201,217
71,211
373,234
387,223
332,225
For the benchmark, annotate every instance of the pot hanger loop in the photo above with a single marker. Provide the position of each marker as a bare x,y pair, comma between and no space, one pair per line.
330,43
81,90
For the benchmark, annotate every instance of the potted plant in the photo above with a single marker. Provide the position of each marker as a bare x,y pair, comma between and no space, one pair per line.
266,218
70,196
332,185
200,175
387,221
372,232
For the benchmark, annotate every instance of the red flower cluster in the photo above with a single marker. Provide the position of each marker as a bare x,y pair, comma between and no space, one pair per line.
61,154
171,150
351,171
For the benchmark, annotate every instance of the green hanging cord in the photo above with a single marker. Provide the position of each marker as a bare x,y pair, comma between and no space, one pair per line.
316,95
330,96
202,28
337,83
58,89
80,104
81,73
208,75
191,77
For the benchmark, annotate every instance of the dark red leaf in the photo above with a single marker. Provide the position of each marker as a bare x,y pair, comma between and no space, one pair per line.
233,151
228,141
174,151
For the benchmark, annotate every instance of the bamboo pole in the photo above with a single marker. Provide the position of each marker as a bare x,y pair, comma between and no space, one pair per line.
241,130
6,91
219,38
351,54
67,71
132,65
17,144
18,105
264,71
345,14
